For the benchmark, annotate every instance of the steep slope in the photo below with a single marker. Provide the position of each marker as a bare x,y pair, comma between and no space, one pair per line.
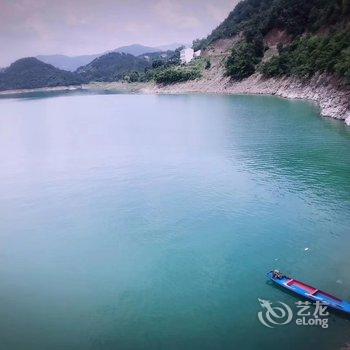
295,17
112,67
30,73
300,37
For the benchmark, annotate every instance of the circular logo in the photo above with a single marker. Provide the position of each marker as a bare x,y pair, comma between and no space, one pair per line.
274,315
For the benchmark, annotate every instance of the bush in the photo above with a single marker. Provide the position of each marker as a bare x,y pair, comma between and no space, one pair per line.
309,55
207,63
157,63
175,75
241,63
275,67
133,77
342,67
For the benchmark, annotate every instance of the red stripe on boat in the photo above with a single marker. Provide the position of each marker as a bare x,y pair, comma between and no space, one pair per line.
302,285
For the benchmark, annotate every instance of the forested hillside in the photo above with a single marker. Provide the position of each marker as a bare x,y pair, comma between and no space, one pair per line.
112,66
30,73
318,32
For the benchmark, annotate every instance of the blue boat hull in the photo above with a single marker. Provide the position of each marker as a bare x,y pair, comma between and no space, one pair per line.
311,293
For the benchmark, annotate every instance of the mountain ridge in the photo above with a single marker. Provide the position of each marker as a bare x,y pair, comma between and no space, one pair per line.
64,62
72,63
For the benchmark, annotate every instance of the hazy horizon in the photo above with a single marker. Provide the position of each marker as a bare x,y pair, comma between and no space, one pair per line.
42,27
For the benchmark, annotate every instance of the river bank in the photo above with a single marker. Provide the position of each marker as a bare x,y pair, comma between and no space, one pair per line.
332,100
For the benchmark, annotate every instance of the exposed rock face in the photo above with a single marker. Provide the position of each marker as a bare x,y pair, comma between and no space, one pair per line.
277,36
333,100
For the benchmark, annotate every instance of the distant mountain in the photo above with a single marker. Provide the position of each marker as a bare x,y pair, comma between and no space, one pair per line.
30,73
172,46
70,63
136,49
112,66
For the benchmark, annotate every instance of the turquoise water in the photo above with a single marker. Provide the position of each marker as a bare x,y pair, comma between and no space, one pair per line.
149,222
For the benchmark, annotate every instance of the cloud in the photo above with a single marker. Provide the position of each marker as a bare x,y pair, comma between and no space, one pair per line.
219,13
173,13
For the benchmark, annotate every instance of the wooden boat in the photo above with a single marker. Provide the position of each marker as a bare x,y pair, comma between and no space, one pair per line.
308,292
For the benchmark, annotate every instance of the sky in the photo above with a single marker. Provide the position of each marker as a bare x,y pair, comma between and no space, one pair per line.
78,27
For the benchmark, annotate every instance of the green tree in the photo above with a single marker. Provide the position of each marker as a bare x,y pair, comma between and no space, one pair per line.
241,63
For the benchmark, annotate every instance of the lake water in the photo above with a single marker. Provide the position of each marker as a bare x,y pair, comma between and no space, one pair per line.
149,222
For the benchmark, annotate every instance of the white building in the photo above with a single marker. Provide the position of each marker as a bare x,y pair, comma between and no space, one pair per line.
186,55
197,53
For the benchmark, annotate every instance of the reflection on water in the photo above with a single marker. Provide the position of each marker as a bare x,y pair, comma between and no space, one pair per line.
301,148
138,222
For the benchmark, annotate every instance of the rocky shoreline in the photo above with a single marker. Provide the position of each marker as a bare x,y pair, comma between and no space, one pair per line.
333,100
